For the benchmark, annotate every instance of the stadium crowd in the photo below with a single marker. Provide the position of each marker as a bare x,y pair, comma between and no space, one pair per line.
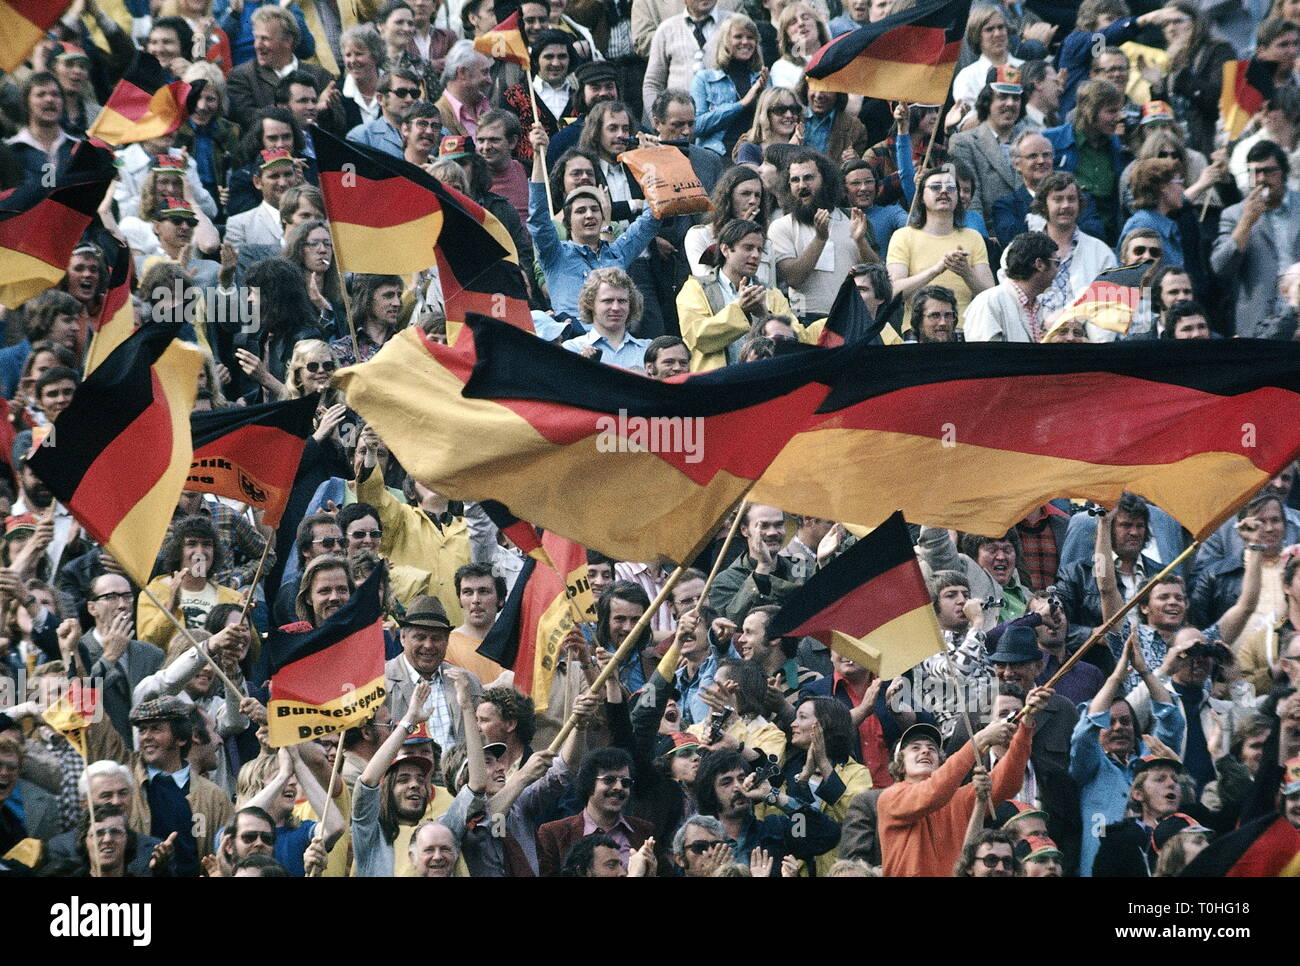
1077,138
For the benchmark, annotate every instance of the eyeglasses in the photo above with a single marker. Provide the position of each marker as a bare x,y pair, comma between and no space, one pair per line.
320,366
117,595
784,109
110,833
267,838
1146,250
329,543
993,861
1168,154
942,189
612,780
1271,169
405,91
362,534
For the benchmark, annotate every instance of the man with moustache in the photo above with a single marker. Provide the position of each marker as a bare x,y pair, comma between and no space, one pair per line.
605,785
985,149
1032,159
421,133
761,574
816,244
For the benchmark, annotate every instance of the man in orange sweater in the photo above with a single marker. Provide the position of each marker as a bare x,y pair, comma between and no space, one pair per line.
923,818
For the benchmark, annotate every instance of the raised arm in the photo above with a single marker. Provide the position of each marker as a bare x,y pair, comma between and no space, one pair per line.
416,714
1103,569
1233,621
1106,694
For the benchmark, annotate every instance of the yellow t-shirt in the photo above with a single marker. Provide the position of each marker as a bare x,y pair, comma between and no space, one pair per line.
462,651
917,250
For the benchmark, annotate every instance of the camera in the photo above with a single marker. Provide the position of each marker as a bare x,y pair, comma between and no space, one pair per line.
988,603
718,725
768,770
1209,649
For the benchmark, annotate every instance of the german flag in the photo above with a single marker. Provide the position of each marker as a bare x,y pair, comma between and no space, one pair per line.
143,105
1111,301
1247,87
22,27
908,56
505,42
116,320
40,225
390,217
975,435
1267,847
522,534
539,614
252,453
118,456
570,444
850,320
330,677
73,713
870,604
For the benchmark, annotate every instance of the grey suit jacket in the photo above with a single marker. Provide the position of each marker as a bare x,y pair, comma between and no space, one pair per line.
397,683
1252,272
994,177
140,660
41,811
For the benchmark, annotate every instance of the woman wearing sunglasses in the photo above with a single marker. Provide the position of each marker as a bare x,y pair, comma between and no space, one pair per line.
776,120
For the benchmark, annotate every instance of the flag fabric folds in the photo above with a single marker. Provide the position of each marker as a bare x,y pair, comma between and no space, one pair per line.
331,677
1111,301
569,444
1265,847
850,320
252,453
506,42
870,604
1247,86
976,435
40,225
144,104
118,456
908,56
116,320
22,27
539,614
522,534
391,217
74,712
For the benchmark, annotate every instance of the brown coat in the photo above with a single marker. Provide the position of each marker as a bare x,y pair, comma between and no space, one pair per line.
210,805
554,839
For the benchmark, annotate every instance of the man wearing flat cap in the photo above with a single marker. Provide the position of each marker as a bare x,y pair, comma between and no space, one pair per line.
425,631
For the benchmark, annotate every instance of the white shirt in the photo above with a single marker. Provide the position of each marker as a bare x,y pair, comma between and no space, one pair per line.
370,109
287,69
556,99
973,78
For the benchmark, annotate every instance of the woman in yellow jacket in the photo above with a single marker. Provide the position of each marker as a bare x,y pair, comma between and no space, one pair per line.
716,310
820,767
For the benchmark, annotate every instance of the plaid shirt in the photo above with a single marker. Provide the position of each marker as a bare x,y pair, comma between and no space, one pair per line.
1039,552
241,542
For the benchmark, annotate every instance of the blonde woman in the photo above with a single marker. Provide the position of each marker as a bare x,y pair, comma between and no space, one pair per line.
776,120
800,32
309,370
722,112
273,783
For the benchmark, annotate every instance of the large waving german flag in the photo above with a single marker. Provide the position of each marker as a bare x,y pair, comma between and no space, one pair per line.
539,614
391,217
1267,847
870,604
41,225
1247,86
143,105
22,25
505,42
252,453
118,456
116,320
331,677
975,435
616,461
1111,301
908,56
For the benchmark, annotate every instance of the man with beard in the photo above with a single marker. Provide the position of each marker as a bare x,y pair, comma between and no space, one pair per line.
936,309
816,244
984,150
605,785
760,575
34,497
421,132
1105,751
597,82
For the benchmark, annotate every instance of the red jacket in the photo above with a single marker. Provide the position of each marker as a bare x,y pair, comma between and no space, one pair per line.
554,839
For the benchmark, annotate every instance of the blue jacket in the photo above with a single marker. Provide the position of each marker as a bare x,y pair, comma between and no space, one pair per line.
1009,214
1162,225
1104,784
1076,56
1067,150
566,263
717,105
239,28
380,135
12,359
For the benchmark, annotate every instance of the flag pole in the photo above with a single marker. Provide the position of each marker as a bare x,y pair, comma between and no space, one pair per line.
643,622
257,575
537,118
193,643
925,164
335,772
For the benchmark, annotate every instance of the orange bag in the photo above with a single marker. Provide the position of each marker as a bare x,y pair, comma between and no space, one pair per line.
667,180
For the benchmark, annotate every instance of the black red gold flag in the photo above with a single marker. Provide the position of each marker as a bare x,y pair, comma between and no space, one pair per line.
252,453
116,319
118,456
23,25
908,56
1111,301
1247,86
505,42
870,604
144,105
332,676
1265,847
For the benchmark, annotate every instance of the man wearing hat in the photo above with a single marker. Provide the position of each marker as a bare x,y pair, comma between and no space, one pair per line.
276,174
1128,847
596,82
174,222
986,149
170,798
425,631
155,157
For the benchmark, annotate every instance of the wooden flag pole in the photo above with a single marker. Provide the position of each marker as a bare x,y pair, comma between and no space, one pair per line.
537,119
335,774
257,575
193,643
643,622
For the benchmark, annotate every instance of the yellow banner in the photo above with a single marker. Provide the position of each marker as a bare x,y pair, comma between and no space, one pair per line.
292,722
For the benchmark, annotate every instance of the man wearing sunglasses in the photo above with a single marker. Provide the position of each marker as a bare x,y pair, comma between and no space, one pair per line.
605,783
174,222
251,831
398,91
318,534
